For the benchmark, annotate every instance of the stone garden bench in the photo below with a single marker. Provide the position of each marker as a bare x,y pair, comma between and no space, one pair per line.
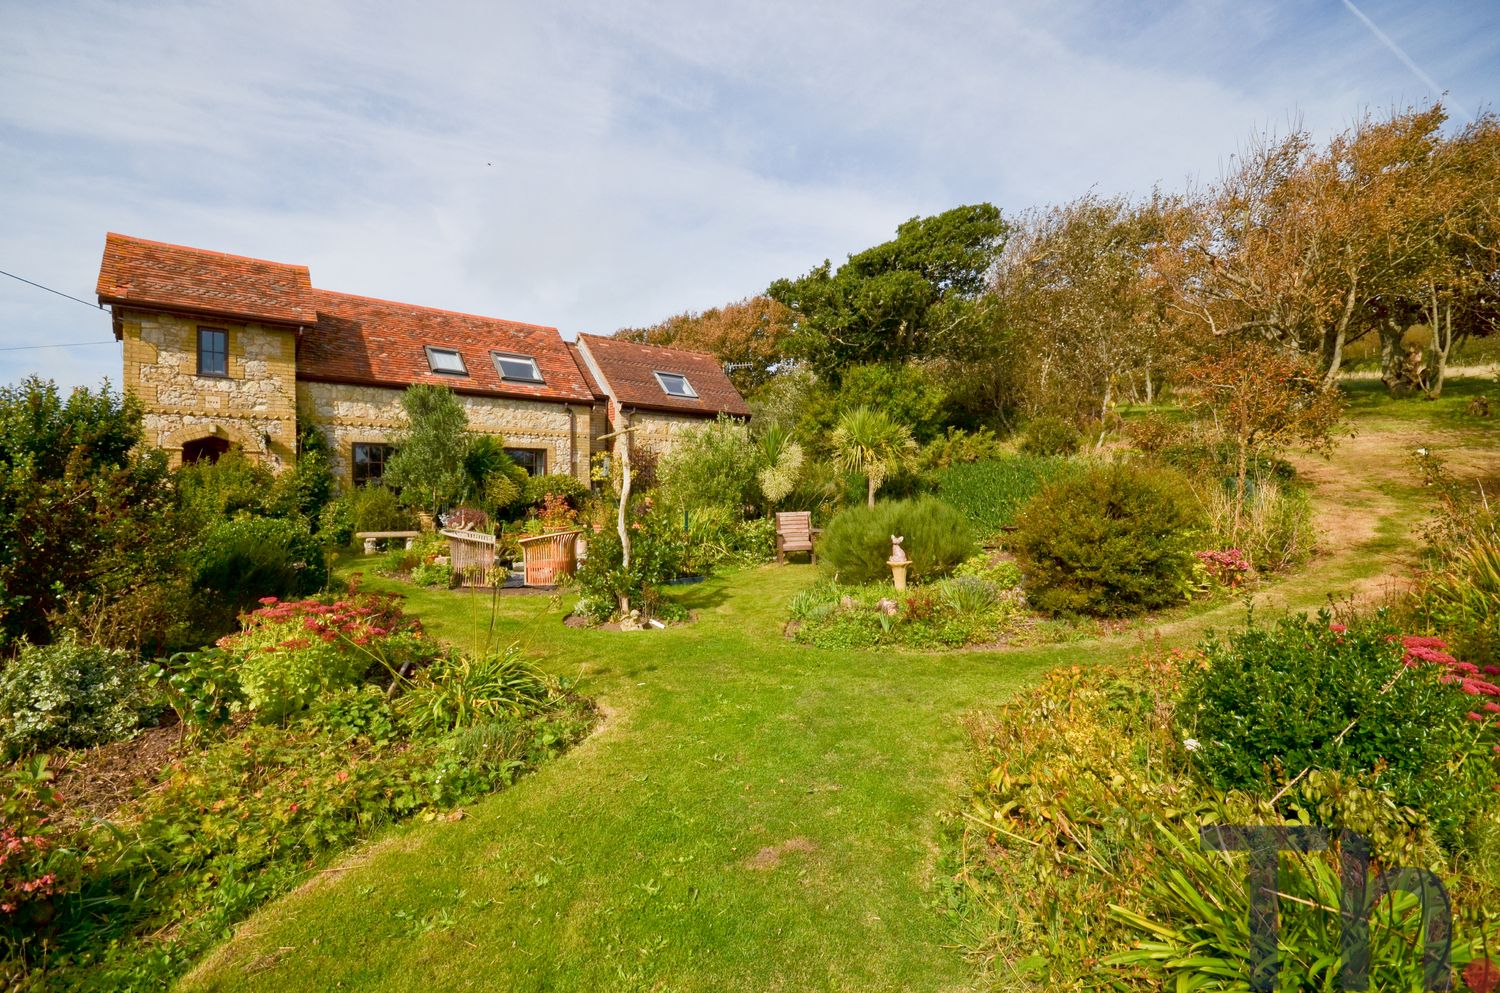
370,538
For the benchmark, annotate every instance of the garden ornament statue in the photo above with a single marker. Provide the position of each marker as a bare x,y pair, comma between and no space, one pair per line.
898,561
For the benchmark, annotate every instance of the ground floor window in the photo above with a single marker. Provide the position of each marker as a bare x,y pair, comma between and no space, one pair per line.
203,450
533,460
369,462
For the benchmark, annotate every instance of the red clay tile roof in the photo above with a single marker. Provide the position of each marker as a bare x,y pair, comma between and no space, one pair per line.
588,374
153,274
374,342
628,370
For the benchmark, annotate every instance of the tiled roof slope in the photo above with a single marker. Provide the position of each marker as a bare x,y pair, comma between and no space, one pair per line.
381,343
587,373
628,369
141,273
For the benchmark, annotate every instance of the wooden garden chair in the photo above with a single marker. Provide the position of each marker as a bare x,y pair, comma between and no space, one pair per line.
795,533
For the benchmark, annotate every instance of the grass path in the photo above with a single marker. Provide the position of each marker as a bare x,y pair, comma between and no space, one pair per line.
754,815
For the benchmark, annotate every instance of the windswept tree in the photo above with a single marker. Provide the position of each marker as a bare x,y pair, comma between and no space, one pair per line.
870,443
1085,293
1384,229
917,296
429,467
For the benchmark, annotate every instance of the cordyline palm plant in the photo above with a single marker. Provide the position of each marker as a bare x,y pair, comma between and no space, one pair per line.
781,464
870,443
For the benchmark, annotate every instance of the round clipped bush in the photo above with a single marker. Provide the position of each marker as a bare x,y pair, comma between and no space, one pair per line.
856,544
1048,435
1110,541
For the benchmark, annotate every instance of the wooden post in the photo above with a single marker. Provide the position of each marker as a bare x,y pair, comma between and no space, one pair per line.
620,522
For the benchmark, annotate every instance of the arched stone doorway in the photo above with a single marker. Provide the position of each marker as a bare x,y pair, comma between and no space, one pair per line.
204,449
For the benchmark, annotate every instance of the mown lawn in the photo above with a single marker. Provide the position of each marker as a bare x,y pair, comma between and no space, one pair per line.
754,815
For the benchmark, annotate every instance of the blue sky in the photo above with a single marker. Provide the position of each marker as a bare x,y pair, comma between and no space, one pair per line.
601,164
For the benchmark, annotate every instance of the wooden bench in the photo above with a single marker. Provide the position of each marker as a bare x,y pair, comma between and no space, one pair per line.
371,537
548,557
472,554
795,533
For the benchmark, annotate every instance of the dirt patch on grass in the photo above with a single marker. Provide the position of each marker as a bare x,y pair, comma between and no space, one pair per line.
771,856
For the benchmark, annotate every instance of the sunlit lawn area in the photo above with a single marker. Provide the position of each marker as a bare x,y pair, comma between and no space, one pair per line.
754,815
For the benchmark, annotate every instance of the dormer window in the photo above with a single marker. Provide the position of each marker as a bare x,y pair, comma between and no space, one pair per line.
517,368
675,384
446,361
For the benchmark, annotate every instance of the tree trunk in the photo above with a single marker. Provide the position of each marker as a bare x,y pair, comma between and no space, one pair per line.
1391,358
1242,471
870,484
1441,320
1333,340
1150,389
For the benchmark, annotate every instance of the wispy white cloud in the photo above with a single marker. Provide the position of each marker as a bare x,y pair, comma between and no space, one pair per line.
598,164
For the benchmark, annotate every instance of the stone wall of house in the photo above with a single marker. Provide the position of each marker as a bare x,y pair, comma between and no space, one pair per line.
659,431
254,407
351,415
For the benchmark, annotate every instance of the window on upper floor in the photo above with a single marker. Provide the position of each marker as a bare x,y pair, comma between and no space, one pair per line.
446,361
213,352
533,460
675,384
369,462
517,368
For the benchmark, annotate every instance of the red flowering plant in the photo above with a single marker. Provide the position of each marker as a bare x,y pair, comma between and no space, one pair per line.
35,866
1227,567
294,650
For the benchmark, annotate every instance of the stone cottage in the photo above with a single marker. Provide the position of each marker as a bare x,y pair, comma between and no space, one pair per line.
223,351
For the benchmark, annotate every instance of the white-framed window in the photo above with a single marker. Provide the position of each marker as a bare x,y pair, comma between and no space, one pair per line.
675,384
446,361
517,368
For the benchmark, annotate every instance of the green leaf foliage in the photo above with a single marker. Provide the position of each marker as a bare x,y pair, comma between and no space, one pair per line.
857,542
1049,435
69,696
1275,700
992,492
915,296
429,469
1109,541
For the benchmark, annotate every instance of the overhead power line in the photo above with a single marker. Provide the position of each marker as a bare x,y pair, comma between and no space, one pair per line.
65,296
60,344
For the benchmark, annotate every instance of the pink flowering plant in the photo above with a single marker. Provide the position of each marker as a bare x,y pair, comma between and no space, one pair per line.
1228,567
292,651
36,867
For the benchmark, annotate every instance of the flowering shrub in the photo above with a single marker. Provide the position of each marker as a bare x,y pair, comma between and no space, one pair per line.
657,550
294,650
1271,702
1227,567
35,868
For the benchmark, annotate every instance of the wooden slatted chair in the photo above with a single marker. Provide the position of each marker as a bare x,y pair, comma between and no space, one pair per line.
473,556
795,533
549,557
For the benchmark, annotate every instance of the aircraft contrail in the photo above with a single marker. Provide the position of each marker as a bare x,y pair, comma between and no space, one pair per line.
1397,51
